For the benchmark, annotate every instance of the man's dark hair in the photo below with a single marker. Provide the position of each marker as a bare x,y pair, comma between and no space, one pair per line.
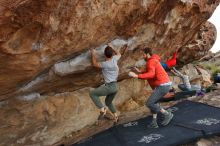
109,52
147,50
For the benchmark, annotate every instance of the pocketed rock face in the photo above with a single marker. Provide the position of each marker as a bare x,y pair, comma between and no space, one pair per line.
197,48
36,34
46,72
69,117
46,120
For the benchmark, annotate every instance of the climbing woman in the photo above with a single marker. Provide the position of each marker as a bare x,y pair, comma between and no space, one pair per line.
110,72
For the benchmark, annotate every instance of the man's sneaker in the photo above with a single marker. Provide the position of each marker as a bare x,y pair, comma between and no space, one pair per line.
153,124
167,118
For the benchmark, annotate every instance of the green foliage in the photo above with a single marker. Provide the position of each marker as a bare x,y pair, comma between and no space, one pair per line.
212,67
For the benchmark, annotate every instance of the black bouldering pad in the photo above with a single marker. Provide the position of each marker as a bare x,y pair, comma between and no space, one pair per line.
198,116
191,121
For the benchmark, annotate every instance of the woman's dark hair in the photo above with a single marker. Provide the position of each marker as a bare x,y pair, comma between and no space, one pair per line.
109,52
147,50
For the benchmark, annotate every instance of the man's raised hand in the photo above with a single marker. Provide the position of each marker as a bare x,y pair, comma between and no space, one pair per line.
132,74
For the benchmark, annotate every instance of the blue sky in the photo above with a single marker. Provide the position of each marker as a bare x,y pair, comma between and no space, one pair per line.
215,19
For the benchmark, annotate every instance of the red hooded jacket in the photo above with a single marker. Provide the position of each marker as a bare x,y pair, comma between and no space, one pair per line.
155,74
171,62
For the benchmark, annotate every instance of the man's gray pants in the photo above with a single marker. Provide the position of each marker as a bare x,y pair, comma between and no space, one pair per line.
158,93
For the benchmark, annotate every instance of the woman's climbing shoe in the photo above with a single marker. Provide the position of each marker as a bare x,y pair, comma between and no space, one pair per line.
116,119
102,114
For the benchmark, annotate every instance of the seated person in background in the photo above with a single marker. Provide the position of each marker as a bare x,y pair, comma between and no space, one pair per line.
186,86
217,78
170,62
167,65
214,86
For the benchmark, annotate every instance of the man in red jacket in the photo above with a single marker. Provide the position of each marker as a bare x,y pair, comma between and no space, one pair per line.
159,82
